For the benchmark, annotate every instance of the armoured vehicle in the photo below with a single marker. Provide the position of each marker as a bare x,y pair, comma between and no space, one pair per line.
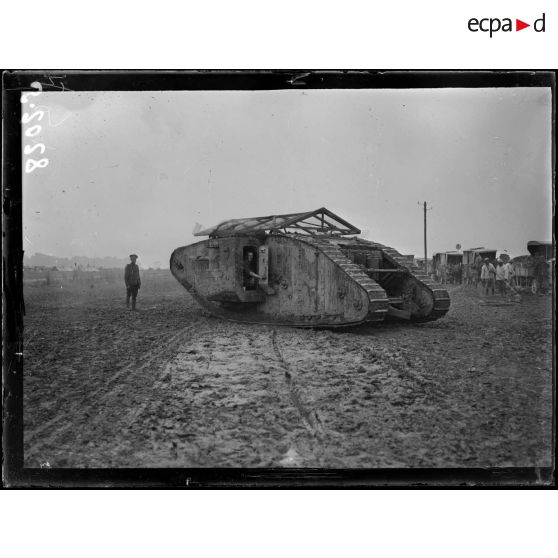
304,270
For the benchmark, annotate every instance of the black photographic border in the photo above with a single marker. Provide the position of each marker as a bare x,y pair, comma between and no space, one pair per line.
16,476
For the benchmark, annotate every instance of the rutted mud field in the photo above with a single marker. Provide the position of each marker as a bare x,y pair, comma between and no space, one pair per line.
170,386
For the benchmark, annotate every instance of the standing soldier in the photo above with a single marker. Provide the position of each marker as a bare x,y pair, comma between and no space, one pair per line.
478,268
500,278
444,272
132,280
488,275
509,280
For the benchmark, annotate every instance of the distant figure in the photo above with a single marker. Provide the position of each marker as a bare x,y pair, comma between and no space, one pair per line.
132,280
449,273
478,268
488,273
443,274
469,271
249,271
509,274
500,278
458,274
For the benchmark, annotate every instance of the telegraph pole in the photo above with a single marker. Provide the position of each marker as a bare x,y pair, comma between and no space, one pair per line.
426,208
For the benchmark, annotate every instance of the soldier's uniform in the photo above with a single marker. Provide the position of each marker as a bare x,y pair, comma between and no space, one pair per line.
250,277
133,281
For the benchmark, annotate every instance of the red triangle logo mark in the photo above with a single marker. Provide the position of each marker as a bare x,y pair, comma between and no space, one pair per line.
519,25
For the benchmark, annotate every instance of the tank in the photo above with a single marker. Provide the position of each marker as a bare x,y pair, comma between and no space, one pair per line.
303,270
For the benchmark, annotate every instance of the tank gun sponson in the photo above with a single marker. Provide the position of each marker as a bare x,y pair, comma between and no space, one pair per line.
314,276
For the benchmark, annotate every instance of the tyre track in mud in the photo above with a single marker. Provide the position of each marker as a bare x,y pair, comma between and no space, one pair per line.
309,416
228,398
119,340
164,375
103,401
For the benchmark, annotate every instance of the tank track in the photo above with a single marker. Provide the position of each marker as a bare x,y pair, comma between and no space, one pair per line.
378,300
441,296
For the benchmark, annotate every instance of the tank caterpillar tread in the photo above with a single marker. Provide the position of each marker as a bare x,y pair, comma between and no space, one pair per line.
378,300
441,297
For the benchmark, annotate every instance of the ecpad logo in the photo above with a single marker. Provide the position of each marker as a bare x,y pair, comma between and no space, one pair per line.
494,24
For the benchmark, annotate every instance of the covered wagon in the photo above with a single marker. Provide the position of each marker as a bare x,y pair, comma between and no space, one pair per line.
535,270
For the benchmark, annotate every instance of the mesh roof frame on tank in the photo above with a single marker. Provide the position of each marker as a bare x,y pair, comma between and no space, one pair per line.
327,222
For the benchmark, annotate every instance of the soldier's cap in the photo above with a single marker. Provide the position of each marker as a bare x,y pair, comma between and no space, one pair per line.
133,255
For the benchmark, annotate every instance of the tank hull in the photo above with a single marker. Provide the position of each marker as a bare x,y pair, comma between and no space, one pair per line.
304,281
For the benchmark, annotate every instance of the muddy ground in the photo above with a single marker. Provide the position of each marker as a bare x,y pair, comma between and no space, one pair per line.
170,386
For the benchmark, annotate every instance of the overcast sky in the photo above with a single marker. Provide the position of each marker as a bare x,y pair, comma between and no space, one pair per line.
135,171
